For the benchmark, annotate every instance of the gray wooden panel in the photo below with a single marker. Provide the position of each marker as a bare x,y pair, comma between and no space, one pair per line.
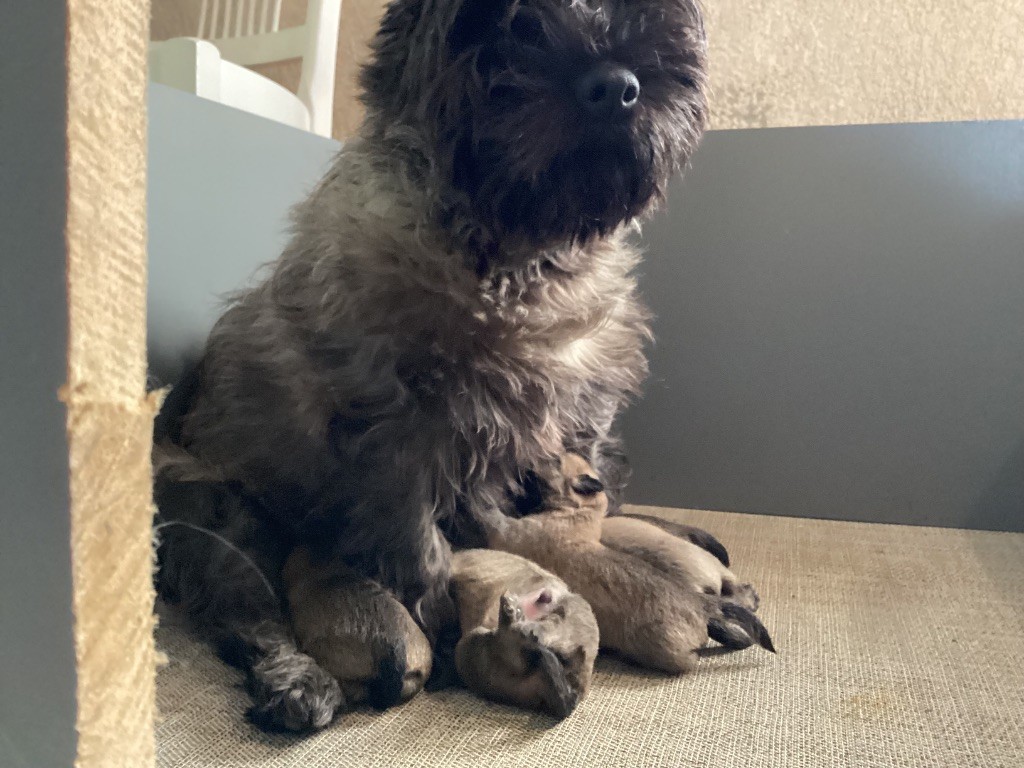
840,322
839,309
37,660
221,182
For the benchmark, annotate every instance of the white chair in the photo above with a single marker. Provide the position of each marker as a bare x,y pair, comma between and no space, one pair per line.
235,34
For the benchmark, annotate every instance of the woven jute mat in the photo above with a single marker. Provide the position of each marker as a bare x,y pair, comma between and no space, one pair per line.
898,646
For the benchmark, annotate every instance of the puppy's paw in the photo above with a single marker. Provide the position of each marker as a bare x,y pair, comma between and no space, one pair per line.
741,594
291,692
738,628
510,611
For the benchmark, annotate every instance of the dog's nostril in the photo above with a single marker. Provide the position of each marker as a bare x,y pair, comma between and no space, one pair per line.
608,90
630,95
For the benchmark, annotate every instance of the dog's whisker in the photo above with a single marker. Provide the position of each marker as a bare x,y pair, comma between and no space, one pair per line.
214,535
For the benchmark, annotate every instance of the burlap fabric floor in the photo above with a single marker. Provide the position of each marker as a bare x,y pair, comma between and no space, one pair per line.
897,646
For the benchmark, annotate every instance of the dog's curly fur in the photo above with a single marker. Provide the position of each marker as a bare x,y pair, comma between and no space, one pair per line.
455,308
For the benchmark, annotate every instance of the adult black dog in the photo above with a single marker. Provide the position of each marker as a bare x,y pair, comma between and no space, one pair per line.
455,309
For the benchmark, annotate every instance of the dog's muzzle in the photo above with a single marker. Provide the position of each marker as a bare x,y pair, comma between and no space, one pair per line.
608,91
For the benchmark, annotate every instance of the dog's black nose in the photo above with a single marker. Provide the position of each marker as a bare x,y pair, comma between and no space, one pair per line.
608,90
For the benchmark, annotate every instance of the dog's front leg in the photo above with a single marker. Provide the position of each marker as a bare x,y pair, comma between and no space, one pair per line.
221,563
382,519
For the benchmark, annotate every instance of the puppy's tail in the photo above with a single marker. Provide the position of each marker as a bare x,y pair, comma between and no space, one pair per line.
387,688
738,628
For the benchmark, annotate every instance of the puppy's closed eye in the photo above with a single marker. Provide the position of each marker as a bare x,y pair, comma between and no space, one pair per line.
587,485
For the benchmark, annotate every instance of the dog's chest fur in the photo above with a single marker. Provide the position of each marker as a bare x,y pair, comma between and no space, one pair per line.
515,355
377,348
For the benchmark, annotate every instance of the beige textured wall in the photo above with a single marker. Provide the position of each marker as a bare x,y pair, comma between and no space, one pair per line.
793,62
828,62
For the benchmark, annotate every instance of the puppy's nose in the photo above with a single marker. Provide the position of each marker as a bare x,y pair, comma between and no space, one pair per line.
608,90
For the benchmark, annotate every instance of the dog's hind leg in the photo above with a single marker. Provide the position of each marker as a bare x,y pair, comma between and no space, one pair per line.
222,563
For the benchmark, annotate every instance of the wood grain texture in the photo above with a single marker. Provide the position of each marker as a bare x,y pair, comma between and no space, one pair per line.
109,415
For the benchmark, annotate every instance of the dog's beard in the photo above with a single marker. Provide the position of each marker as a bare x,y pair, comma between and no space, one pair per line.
588,190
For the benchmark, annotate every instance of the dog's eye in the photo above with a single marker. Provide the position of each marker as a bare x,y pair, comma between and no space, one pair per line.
532,659
587,485
476,22
527,29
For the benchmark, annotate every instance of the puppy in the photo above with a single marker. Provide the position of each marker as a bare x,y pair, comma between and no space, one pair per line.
657,598
457,306
356,631
526,639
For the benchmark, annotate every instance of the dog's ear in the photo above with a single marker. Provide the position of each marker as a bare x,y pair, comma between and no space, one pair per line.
475,23
560,696
381,77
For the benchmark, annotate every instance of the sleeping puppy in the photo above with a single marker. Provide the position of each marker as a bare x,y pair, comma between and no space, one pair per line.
526,639
657,597
357,631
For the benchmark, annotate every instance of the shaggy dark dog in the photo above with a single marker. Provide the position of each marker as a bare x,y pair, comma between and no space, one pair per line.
455,309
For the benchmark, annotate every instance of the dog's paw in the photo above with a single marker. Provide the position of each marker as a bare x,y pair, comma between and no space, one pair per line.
291,692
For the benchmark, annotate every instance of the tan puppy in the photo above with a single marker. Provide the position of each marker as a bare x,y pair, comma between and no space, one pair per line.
357,631
656,596
526,639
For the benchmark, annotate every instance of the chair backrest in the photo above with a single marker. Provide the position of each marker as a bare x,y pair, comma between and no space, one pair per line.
228,19
247,33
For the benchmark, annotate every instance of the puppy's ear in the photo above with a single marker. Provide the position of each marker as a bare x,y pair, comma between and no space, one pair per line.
560,696
443,673
576,661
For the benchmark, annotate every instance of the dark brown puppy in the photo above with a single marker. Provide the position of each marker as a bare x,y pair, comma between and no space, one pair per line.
526,638
656,596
